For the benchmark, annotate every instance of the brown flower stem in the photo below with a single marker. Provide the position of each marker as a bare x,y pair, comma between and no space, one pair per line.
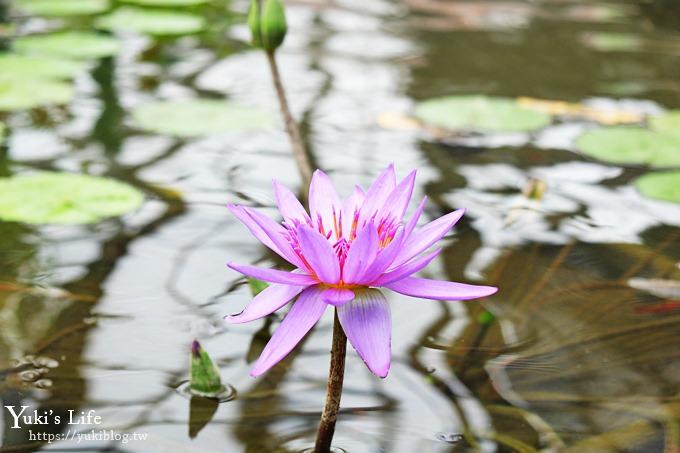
336,375
299,151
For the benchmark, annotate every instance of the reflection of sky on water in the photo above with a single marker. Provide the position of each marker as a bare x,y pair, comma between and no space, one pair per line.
575,205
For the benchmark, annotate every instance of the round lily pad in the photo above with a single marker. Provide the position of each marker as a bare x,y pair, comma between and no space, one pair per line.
631,145
63,7
167,2
662,185
480,113
26,94
199,117
668,123
68,44
152,22
23,67
64,198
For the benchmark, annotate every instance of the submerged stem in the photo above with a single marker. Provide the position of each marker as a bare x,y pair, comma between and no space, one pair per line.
336,375
298,145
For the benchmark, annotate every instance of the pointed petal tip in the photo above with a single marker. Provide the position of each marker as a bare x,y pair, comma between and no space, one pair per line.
381,371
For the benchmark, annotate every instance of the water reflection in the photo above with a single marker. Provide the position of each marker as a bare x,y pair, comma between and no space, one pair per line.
569,362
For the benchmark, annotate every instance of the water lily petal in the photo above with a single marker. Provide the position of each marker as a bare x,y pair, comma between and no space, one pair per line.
289,206
384,259
278,235
351,205
267,302
319,254
324,202
420,240
273,275
337,296
377,194
367,323
411,225
397,202
439,290
240,212
304,313
407,269
361,254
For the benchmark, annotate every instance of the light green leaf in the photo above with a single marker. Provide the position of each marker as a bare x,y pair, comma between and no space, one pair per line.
480,113
63,7
199,117
613,42
27,94
668,123
64,198
68,44
22,67
152,22
631,145
662,185
167,2
205,376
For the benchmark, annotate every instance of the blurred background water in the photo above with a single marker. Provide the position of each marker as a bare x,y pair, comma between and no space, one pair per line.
577,358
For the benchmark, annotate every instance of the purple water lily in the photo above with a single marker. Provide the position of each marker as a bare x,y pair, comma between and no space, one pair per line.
343,252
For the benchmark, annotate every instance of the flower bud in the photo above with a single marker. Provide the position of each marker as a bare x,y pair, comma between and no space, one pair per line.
205,376
267,24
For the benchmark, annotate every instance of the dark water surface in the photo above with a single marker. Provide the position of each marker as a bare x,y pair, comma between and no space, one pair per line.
101,317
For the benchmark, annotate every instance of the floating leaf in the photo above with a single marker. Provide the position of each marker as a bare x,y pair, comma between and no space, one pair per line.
63,7
22,67
68,44
205,376
668,123
64,198
576,110
199,117
167,2
631,145
27,94
662,185
480,113
152,22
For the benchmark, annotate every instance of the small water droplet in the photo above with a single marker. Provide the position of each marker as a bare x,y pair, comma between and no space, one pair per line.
48,362
29,375
449,438
43,383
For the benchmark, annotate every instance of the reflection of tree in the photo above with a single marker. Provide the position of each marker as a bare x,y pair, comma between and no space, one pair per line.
63,334
581,366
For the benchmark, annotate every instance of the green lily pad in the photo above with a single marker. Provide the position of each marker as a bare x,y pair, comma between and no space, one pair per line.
661,186
63,7
480,113
167,2
23,67
68,44
668,123
152,22
27,94
631,145
199,117
64,198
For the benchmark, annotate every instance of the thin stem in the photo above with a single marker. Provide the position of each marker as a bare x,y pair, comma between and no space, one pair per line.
299,151
336,375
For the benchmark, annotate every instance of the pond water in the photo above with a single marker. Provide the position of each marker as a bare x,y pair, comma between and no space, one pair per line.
582,351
